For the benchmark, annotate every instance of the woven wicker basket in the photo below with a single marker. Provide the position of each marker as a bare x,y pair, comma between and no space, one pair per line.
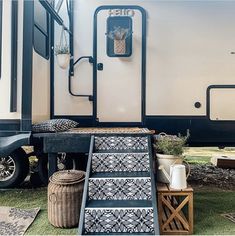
64,198
119,47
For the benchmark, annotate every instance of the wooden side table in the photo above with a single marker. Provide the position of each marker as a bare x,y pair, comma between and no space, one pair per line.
175,209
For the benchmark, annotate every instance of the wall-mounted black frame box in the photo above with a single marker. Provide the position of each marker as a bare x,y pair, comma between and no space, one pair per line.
122,22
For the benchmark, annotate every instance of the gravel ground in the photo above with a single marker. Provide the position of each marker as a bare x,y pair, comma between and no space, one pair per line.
209,175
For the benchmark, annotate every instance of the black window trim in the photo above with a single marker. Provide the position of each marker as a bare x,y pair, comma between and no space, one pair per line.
47,36
14,55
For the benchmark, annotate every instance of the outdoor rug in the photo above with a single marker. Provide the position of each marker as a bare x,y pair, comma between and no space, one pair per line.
230,216
15,221
115,130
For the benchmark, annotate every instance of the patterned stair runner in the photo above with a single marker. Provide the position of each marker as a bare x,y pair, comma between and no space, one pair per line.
119,193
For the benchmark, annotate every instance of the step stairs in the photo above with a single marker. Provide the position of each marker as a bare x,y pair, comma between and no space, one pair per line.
119,192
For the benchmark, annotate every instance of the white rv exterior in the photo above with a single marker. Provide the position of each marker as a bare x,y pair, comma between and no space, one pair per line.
41,72
189,45
189,48
188,82
6,62
179,73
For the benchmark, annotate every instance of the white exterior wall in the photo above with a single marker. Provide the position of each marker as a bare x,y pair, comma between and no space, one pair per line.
220,100
40,89
41,72
5,80
188,49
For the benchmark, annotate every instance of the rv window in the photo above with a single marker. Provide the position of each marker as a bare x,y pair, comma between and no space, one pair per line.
0,38
119,36
41,30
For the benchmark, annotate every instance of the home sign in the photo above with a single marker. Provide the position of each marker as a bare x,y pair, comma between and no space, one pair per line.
121,12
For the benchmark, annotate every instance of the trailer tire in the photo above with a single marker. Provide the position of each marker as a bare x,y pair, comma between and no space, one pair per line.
17,165
43,167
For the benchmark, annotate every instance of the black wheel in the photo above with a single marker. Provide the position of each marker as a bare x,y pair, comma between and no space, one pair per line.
64,163
13,168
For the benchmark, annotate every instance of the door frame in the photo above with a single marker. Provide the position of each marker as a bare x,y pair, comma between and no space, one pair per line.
143,67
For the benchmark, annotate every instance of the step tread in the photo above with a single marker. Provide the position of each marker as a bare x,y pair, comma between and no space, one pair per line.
119,204
121,174
121,143
120,233
127,188
115,162
114,151
144,152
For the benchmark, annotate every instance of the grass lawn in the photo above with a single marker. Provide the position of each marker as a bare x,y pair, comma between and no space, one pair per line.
30,198
202,155
207,208
209,203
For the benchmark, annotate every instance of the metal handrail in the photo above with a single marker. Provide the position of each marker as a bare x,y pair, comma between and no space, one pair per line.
85,189
90,97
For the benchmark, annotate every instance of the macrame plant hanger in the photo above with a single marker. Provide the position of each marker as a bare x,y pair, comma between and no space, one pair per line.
63,54
63,41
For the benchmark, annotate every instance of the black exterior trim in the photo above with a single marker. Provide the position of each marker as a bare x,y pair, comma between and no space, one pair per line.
203,132
27,66
9,125
52,63
208,100
14,47
11,143
87,121
84,121
46,35
71,38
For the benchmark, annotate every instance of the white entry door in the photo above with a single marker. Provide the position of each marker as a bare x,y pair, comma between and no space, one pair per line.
119,90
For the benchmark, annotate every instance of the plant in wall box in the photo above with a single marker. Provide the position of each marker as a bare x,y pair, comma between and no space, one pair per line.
62,52
119,35
169,150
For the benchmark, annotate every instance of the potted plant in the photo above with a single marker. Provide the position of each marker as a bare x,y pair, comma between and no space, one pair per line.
63,56
169,150
119,35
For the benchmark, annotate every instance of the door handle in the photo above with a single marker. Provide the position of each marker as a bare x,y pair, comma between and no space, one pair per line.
100,66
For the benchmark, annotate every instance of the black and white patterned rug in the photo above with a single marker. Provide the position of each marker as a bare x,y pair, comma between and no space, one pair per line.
15,221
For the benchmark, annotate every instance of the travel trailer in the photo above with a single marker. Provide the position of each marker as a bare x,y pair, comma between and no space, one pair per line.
177,73
163,65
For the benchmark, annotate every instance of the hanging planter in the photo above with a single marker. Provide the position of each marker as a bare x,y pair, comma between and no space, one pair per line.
119,47
63,60
62,52
119,36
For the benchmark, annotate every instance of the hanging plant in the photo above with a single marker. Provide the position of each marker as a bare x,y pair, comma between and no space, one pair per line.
119,35
62,51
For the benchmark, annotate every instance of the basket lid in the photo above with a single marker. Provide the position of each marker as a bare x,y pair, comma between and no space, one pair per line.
67,177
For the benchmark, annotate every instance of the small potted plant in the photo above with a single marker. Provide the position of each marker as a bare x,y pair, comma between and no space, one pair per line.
169,150
63,56
119,35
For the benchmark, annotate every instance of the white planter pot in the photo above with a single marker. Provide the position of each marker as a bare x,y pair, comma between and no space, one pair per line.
63,60
166,161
